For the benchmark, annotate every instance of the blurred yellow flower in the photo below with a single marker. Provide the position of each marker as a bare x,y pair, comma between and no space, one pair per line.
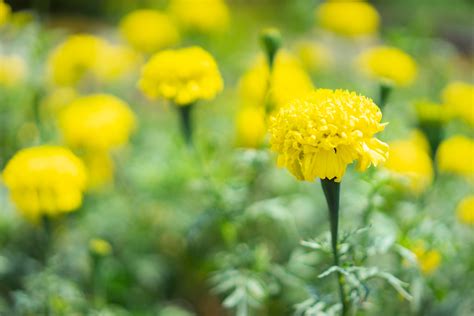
320,134
412,162
314,56
428,260
348,18
100,168
98,121
431,112
389,65
183,76
100,247
149,30
251,127
45,180
288,81
465,210
12,70
455,155
5,12
458,97
115,61
205,16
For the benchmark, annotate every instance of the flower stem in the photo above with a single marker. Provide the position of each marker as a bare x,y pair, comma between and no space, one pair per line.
186,122
384,93
331,191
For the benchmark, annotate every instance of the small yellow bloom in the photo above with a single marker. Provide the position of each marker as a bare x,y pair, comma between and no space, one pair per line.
5,12
431,112
412,162
99,122
348,18
465,210
428,260
205,16
455,156
183,76
45,180
149,30
100,247
388,64
314,56
12,70
458,97
318,135
251,127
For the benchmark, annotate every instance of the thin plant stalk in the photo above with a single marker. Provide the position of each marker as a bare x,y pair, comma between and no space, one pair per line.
185,114
384,94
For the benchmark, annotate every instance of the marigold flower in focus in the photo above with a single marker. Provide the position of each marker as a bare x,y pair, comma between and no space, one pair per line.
348,18
100,247
205,16
251,127
428,260
412,162
12,70
389,65
98,121
455,155
45,180
5,12
149,30
318,135
458,97
465,210
183,76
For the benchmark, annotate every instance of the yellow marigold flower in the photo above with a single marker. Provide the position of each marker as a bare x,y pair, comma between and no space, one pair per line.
45,180
314,56
431,112
465,210
318,135
288,81
428,260
205,16
98,121
12,70
114,62
412,162
455,156
388,64
74,58
149,30
100,247
5,12
251,127
183,76
348,18
458,97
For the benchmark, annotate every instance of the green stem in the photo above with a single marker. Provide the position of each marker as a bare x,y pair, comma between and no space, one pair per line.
384,94
331,191
185,112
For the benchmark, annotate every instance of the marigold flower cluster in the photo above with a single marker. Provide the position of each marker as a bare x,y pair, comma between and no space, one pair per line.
208,16
458,97
455,154
45,180
389,65
182,76
318,135
12,70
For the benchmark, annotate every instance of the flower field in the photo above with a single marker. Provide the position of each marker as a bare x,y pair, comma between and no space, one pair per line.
211,157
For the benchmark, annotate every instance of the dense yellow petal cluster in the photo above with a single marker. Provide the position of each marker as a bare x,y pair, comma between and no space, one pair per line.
318,135
458,97
465,210
388,64
428,260
251,127
288,81
5,12
455,156
205,16
12,70
98,122
148,30
183,76
348,18
45,180
412,162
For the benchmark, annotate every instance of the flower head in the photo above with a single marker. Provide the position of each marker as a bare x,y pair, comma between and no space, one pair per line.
183,76
45,180
251,127
149,30
5,12
98,121
465,210
318,135
388,64
458,97
348,18
455,154
205,16
12,70
408,160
